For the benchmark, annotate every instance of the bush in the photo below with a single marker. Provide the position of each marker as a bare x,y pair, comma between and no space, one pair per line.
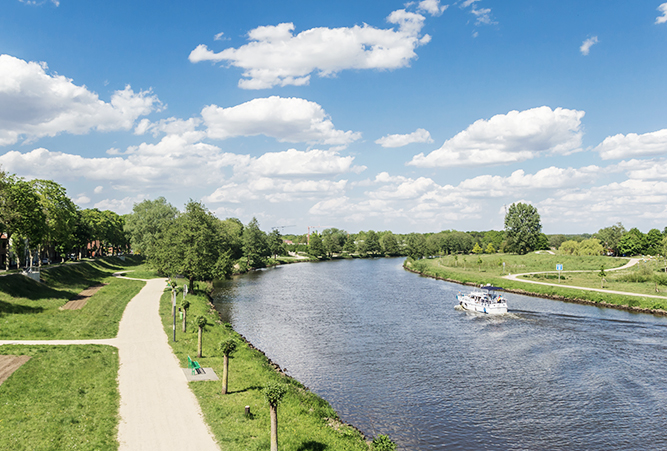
383,443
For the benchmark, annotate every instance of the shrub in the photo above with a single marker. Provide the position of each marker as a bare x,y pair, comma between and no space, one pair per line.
383,443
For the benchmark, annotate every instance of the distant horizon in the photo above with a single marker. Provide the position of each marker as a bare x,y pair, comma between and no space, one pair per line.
384,115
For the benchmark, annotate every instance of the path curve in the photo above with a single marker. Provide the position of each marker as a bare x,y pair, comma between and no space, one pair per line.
632,262
158,411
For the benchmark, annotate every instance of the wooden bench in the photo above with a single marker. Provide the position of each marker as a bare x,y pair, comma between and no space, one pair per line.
194,365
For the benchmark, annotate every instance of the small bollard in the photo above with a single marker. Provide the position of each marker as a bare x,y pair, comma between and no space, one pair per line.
247,411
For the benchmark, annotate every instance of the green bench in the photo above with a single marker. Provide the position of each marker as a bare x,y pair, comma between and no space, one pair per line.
194,366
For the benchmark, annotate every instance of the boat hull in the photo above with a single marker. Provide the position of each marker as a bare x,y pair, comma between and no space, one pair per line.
476,302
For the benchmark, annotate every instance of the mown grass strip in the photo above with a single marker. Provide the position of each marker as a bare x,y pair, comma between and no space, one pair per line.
305,421
64,397
31,310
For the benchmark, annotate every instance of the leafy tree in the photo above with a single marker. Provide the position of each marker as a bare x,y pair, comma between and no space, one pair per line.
274,393
389,244
144,224
611,237
275,243
569,247
602,275
490,249
350,247
591,246
432,245
201,324
185,305
456,243
60,215
333,240
653,242
231,234
316,245
523,228
192,246
542,243
477,249
21,212
227,347
415,246
632,243
255,246
371,244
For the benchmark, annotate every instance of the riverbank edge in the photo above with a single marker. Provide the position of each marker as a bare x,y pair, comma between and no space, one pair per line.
555,297
282,372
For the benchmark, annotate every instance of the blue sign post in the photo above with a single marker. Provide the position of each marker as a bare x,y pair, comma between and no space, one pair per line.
559,268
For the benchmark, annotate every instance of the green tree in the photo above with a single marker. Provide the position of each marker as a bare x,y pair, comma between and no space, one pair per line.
602,275
316,245
201,324
227,347
415,246
591,246
523,228
632,243
350,247
60,215
389,244
653,242
255,246
490,249
477,249
192,246
333,240
371,244
611,237
185,305
569,247
542,243
275,243
274,393
147,220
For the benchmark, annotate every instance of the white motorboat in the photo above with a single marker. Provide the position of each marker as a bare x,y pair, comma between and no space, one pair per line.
484,300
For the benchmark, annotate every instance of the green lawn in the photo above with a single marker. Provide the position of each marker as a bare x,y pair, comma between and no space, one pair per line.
65,397
303,417
30,310
467,269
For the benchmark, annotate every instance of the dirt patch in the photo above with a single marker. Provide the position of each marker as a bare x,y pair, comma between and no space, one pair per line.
80,300
9,364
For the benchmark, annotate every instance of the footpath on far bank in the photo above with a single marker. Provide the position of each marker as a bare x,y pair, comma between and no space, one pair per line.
158,411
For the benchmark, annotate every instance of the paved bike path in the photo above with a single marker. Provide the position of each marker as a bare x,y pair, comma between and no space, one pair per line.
158,411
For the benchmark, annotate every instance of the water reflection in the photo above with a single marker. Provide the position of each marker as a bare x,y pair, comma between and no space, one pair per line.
391,353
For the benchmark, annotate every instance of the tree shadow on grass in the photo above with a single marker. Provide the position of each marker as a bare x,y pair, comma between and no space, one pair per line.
245,390
18,286
312,446
8,308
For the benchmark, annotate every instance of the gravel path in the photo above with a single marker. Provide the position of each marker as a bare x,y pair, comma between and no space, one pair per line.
632,262
158,410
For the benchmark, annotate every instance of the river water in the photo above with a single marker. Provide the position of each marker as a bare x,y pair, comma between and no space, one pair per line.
391,353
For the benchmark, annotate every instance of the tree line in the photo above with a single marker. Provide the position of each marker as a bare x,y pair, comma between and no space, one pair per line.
40,222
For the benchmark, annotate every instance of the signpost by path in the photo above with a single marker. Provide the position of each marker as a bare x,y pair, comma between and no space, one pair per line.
559,268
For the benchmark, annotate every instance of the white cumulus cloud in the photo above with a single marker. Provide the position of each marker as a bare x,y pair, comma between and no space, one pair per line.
587,44
432,7
286,119
34,104
509,138
633,145
418,136
663,9
276,57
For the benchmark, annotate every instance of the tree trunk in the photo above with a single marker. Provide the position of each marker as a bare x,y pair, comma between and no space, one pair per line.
274,427
199,342
185,315
225,373
191,282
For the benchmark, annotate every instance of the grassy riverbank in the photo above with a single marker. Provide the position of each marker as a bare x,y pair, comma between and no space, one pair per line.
64,397
31,310
468,269
305,421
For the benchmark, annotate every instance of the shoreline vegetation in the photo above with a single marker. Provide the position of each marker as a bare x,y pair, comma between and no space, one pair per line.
583,271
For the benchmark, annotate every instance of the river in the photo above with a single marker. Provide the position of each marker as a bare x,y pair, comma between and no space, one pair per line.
391,353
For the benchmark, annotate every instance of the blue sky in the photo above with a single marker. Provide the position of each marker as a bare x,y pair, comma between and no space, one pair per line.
420,116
